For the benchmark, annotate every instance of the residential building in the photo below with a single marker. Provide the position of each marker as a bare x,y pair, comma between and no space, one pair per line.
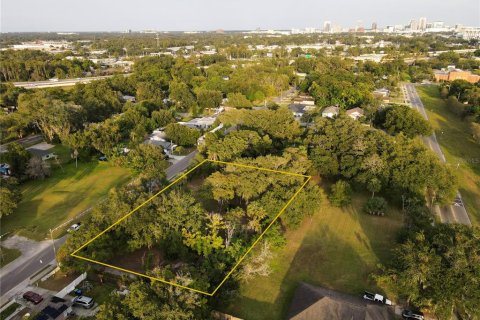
128,98
158,138
331,112
383,94
451,73
299,110
200,123
42,150
355,113
317,303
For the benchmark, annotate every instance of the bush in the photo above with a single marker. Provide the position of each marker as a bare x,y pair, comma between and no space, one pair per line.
340,194
376,206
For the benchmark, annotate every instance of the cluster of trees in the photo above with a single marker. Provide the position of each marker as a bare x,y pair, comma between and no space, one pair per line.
207,230
396,119
33,65
435,266
376,161
10,195
332,82
463,99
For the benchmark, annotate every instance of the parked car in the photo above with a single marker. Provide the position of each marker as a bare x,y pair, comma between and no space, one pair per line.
33,297
376,298
74,227
83,301
409,314
102,158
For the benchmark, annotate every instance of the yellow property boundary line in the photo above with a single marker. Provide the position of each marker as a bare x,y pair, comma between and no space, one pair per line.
74,253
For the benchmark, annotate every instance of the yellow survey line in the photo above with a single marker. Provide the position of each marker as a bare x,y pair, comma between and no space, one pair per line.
140,206
139,274
74,254
260,237
259,168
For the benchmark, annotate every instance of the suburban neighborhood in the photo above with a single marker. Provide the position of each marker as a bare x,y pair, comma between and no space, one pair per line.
224,172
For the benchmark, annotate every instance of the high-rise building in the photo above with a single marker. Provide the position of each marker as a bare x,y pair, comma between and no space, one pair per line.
374,26
422,24
327,26
413,24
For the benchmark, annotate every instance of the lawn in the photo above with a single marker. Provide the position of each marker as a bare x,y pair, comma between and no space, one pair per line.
457,145
8,255
336,248
60,197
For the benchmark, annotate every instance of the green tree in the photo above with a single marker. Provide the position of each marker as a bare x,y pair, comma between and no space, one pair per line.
238,100
340,194
182,135
400,118
17,157
376,206
10,196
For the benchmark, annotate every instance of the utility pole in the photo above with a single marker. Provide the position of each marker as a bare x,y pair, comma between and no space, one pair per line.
53,245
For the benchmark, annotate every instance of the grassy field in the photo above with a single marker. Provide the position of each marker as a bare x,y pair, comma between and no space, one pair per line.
457,145
336,248
67,192
8,255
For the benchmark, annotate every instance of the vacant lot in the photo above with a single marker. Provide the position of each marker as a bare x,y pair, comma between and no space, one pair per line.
336,248
458,146
67,192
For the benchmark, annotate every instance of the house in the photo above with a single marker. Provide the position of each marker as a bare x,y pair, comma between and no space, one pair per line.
317,303
330,112
355,113
127,98
299,110
199,123
42,150
158,138
382,93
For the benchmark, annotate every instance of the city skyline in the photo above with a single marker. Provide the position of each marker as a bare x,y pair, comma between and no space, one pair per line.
109,15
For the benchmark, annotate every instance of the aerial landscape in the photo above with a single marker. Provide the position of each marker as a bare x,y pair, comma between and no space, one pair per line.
239,160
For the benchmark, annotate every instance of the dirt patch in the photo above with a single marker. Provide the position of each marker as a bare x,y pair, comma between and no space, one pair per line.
140,260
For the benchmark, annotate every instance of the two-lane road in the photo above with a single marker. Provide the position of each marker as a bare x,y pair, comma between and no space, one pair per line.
24,267
454,213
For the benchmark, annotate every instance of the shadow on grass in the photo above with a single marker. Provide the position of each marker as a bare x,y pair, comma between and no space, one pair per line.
324,258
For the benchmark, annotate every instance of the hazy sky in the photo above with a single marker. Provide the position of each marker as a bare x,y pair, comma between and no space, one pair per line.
119,15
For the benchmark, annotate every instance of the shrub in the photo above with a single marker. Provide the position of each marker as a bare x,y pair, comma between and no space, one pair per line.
376,206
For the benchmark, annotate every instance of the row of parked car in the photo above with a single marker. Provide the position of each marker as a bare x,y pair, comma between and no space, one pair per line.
82,301
406,314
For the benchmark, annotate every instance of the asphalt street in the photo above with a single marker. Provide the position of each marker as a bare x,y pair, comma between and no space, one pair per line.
26,142
25,267
454,213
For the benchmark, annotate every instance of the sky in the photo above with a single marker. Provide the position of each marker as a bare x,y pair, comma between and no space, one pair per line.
189,15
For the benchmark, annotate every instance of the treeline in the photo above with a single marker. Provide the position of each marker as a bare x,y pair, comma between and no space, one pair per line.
463,99
33,65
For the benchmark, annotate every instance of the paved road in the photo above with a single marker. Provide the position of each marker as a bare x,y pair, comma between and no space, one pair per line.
59,83
26,142
23,268
452,213
180,166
